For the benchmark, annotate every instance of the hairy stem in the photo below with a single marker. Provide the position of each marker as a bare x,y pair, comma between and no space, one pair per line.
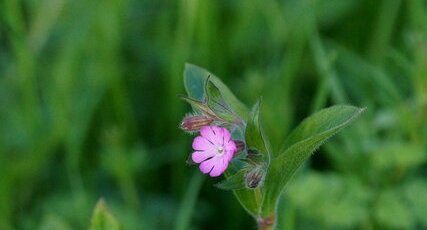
266,223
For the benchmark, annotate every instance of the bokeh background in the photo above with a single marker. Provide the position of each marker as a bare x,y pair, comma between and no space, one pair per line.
89,109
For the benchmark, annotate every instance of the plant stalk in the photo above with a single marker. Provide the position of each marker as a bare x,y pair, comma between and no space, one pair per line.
266,223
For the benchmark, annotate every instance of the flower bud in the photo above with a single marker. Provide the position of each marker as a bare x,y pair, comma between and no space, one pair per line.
194,123
240,145
253,153
255,177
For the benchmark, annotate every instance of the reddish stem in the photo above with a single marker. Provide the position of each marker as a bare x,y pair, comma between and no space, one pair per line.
266,223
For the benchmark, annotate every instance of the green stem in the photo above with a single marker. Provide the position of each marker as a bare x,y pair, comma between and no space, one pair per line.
267,217
258,197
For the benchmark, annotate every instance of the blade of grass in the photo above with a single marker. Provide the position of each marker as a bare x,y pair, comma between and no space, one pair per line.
188,202
381,36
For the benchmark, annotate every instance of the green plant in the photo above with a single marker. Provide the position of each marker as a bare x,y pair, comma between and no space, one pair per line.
376,173
102,219
257,175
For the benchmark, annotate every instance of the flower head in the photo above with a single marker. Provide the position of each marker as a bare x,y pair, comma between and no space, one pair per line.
214,149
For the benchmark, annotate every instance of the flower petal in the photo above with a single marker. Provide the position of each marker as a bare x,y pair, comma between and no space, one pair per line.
210,140
201,143
219,167
226,136
230,146
199,156
213,134
228,155
206,166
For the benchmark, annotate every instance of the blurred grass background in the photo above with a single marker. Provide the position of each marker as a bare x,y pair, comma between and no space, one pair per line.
89,109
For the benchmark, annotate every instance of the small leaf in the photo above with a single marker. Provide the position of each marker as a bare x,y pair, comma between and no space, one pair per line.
217,104
199,106
300,144
236,181
102,219
194,82
246,197
254,135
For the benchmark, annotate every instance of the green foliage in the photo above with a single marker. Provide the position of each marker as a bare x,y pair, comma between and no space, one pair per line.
216,102
192,76
301,143
102,219
183,219
346,199
195,80
88,108
53,222
391,211
254,134
235,181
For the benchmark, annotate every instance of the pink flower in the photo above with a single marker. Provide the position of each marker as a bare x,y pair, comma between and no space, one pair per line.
214,150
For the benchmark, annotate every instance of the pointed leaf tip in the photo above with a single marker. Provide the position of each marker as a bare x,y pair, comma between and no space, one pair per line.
194,82
254,135
102,219
218,104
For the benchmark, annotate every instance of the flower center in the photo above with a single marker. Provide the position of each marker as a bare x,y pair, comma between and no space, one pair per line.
220,150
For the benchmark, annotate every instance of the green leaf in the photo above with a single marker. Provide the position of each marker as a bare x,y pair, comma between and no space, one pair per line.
217,104
300,144
328,119
254,136
246,197
194,82
102,219
235,181
200,106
